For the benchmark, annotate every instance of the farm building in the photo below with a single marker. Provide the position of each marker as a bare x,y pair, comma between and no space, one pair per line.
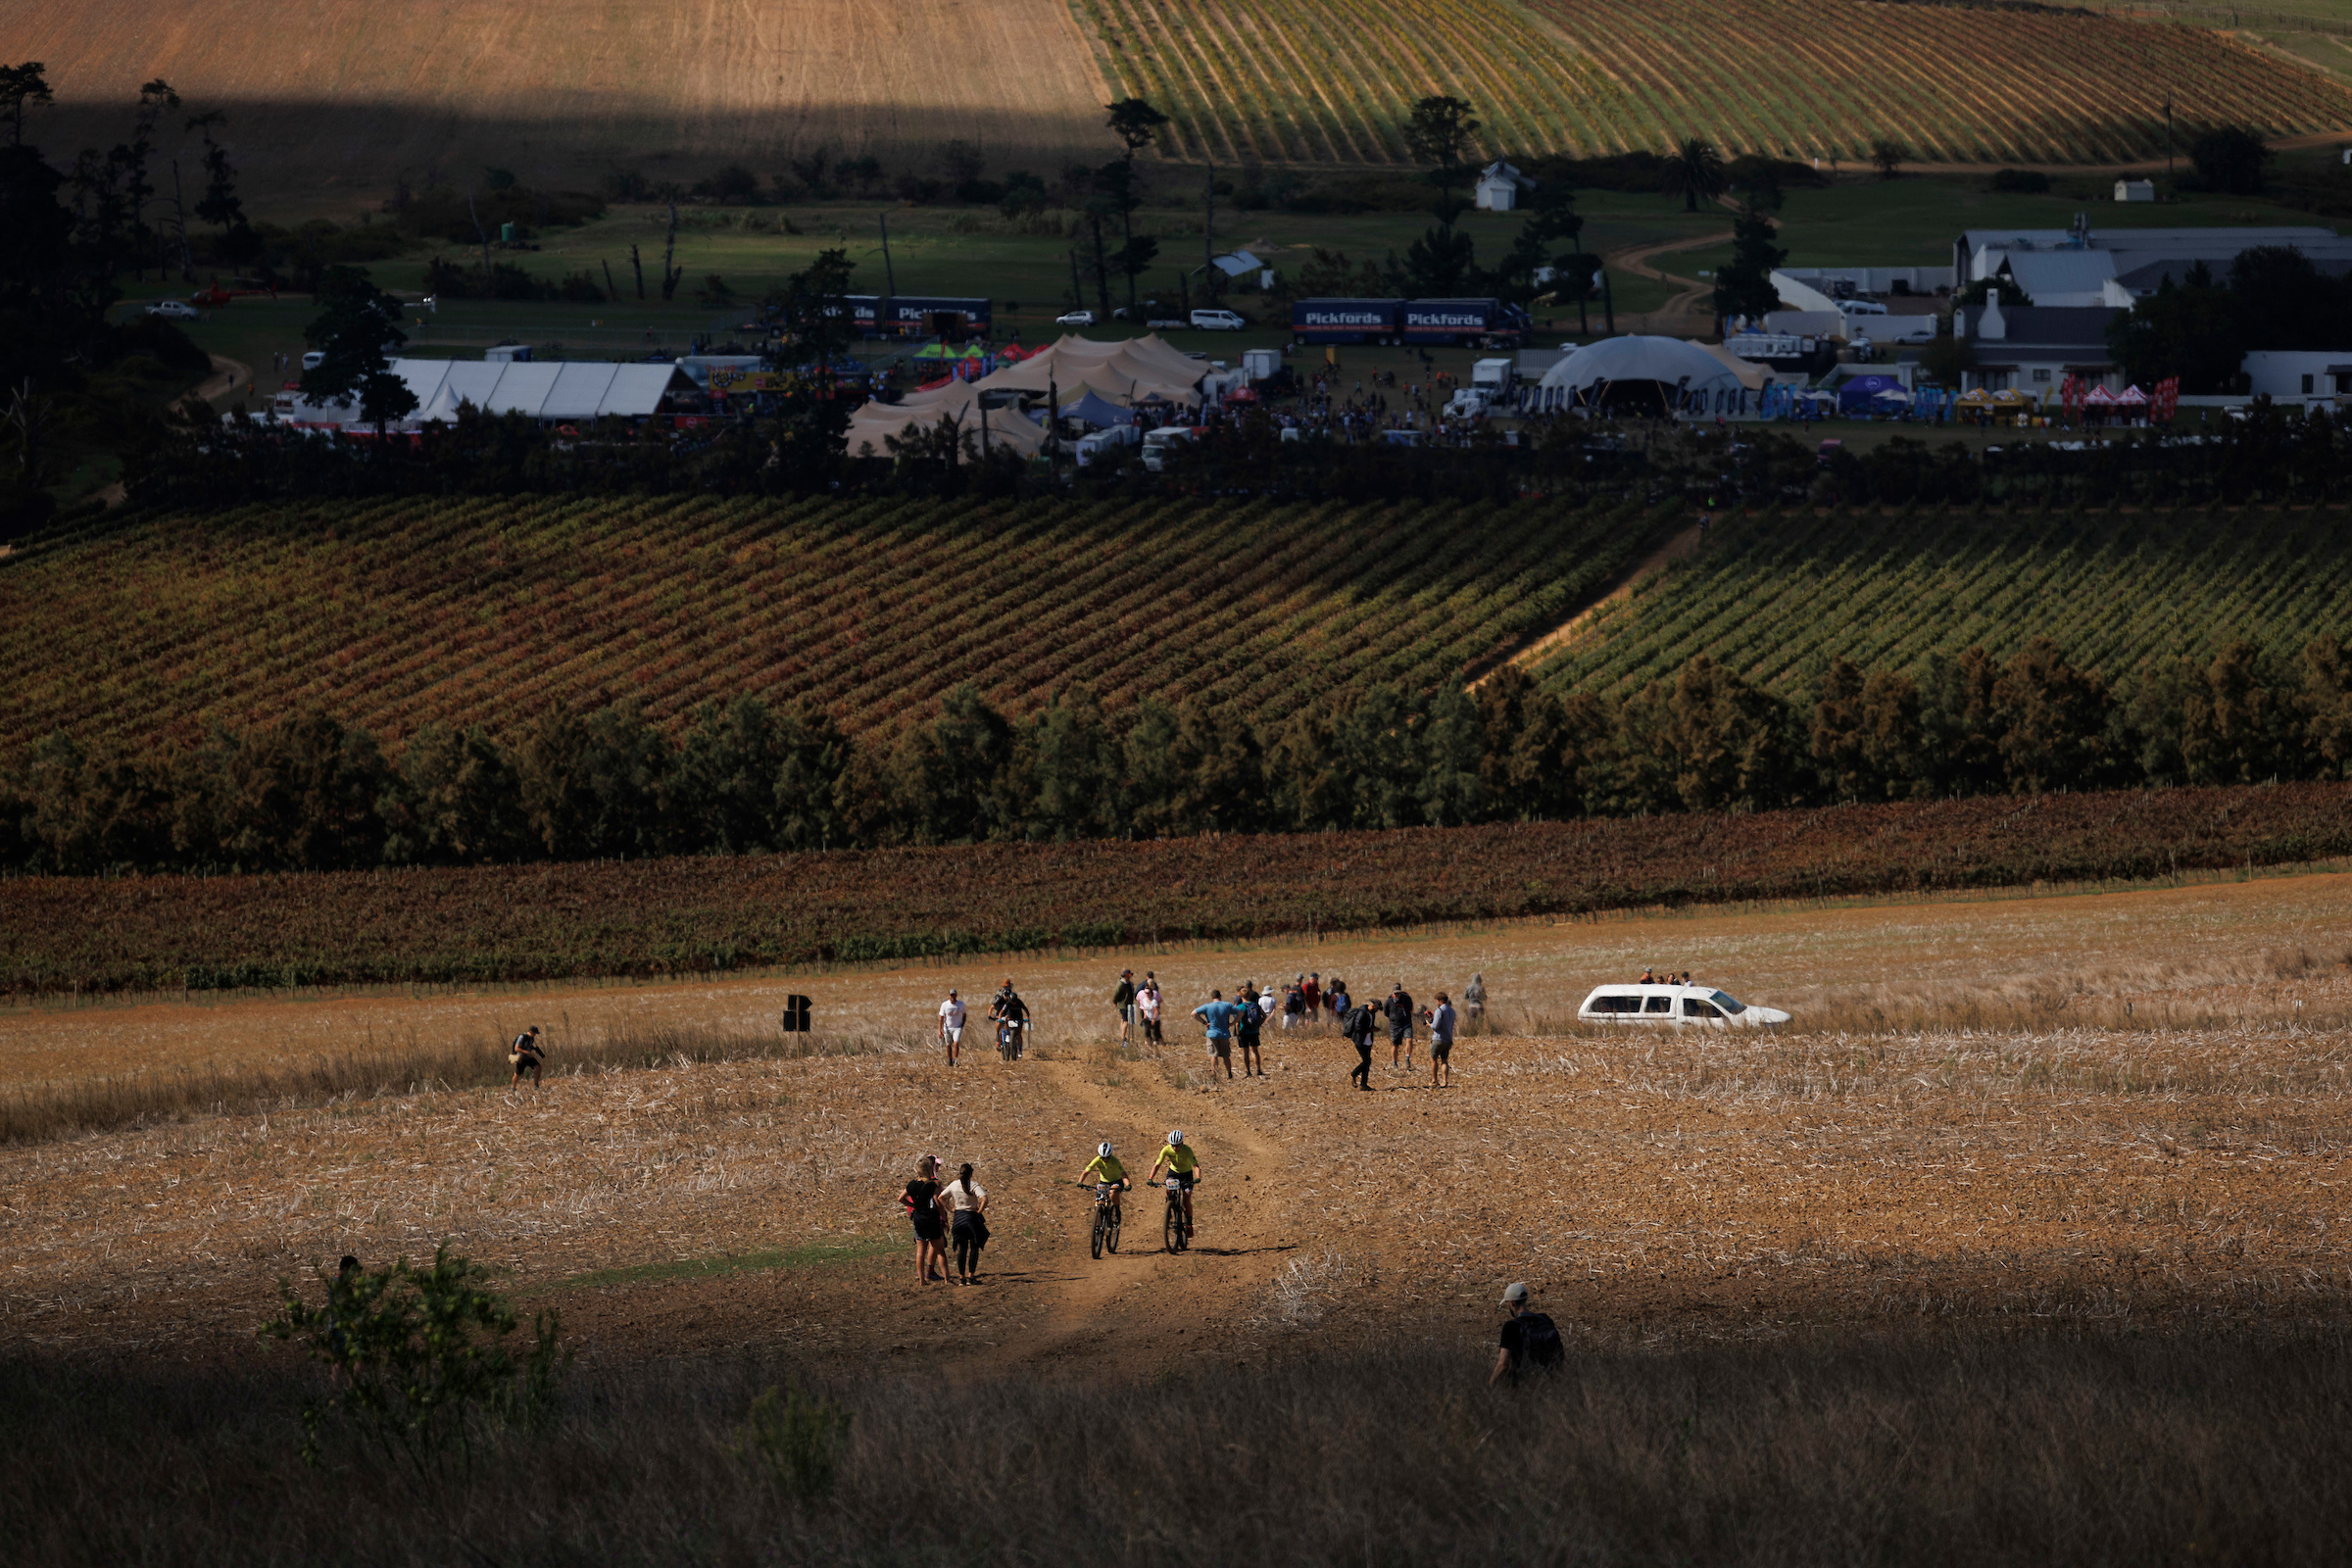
1499,185
2033,349
2299,376
2138,259
2135,190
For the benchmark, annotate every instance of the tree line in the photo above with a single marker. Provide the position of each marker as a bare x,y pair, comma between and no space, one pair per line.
311,793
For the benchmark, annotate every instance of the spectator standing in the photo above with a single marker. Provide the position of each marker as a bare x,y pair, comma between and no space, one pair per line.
967,1208
1122,1002
1530,1339
1441,1043
950,1025
1220,1017
1294,1005
1474,999
525,1056
1147,1006
1311,994
926,1210
1247,1030
1338,1001
1361,1022
1399,1011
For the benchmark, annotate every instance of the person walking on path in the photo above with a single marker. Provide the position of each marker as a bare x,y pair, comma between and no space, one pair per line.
1360,1023
1246,1029
1147,1006
1220,1017
1294,1005
1441,1043
525,1056
1400,1010
950,1025
1311,994
968,1209
924,1209
1530,1339
1474,1001
1122,1002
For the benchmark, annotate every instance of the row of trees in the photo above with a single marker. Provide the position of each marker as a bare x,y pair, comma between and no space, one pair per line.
311,793
2273,297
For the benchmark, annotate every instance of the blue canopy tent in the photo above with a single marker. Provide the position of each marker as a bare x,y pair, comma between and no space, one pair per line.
1098,411
1860,394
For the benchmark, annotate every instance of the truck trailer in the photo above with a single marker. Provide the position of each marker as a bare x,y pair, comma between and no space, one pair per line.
1345,321
1489,322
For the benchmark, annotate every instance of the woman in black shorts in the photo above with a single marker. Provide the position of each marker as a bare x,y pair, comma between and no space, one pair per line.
921,1199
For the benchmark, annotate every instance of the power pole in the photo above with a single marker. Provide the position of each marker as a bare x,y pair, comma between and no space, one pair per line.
1208,239
890,277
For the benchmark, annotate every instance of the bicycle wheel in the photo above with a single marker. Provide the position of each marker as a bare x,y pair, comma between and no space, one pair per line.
1101,1226
1172,1233
1110,1232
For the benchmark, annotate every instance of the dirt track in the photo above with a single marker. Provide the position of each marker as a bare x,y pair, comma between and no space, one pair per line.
2129,1108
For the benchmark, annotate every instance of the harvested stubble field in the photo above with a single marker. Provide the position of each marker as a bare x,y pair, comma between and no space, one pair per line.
706,914
2105,1132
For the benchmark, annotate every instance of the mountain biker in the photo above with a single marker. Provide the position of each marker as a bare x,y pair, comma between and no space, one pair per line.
1007,1007
1183,1164
1106,1170
526,1055
1220,1017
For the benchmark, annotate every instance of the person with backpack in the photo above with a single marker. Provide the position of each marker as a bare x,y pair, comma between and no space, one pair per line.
1530,1339
1399,1011
1294,1004
1361,1022
1122,1003
1247,1027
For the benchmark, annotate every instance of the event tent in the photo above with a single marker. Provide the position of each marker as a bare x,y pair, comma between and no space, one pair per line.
1862,391
873,425
1097,412
1669,363
1141,370
541,389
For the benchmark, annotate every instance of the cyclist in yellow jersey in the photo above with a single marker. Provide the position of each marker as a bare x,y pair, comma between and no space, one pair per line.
1183,1164
1106,1168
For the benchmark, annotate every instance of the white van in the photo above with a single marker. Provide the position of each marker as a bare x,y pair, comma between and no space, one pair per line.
1217,322
1157,442
1101,445
1675,1005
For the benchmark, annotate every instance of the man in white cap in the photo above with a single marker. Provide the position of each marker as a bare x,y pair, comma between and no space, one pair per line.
1529,1339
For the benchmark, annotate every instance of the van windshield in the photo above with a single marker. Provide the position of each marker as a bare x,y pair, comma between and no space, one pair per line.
1725,1002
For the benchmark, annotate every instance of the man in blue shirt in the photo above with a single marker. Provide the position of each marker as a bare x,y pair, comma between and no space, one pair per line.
1220,1015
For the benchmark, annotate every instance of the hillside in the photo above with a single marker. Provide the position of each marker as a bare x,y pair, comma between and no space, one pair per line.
1801,78
395,615
1775,594
327,98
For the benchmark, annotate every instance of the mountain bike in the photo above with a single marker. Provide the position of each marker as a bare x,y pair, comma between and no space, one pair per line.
1105,1238
1008,1039
1176,1234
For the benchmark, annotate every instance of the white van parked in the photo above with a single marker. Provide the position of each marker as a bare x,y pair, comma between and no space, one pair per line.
1217,322
1101,445
1675,1005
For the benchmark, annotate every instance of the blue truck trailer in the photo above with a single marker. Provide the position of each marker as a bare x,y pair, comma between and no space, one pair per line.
919,315
1345,321
1481,322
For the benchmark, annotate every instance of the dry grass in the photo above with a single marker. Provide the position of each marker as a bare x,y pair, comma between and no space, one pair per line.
1918,1447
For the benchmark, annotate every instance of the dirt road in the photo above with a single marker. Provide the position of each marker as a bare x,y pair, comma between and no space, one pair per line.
1687,313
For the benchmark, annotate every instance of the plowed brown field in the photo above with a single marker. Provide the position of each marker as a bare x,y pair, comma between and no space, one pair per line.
2125,1107
324,93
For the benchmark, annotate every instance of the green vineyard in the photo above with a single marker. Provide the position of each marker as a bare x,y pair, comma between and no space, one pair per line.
1333,80
396,614
1774,597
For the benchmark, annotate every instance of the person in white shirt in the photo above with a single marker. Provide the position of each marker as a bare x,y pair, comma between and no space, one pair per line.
950,1025
1147,1003
1441,1042
968,1209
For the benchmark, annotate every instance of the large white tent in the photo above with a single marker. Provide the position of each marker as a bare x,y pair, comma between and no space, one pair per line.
1635,361
873,426
580,389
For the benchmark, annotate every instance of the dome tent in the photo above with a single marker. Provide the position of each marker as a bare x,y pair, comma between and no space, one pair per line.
1648,371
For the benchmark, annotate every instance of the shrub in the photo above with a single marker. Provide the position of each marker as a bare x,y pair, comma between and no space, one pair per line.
420,1359
2021,181
796,1437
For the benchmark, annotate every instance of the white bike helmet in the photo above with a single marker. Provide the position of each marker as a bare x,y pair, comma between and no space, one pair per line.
1103,1150
1175,1136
